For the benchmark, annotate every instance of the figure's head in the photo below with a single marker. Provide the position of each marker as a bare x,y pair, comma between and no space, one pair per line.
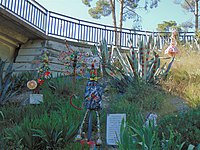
93,62
174,33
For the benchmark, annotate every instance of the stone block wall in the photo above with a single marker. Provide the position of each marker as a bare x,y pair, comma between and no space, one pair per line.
30,53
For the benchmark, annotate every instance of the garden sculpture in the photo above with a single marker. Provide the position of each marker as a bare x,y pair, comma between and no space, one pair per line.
74,61
43,73
172,50
92,101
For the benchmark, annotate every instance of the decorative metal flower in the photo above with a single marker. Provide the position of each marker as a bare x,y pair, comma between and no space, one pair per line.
43,70
75,61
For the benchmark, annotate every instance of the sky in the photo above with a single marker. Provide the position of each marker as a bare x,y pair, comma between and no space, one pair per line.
166,11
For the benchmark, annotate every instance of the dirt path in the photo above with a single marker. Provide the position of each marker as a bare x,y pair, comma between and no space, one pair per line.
179,103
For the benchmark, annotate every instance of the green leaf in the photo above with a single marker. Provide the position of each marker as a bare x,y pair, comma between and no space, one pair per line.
191,147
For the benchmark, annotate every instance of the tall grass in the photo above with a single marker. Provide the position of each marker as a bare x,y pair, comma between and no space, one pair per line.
184,78
146,97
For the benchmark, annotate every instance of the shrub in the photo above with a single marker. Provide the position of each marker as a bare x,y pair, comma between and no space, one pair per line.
186,124
141,137
49,125
143,95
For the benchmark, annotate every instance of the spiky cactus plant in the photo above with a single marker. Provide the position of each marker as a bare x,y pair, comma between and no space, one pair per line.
141,63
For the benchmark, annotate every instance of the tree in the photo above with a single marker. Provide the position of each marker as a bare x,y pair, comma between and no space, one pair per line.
127,9
193,7
186,25
168,26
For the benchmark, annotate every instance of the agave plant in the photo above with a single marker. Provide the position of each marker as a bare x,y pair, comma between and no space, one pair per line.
6,81
141,63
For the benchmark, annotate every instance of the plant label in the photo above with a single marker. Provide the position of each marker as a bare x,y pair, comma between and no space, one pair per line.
113,125
36,98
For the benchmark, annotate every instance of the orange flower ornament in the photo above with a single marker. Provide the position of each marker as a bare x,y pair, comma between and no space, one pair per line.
32,84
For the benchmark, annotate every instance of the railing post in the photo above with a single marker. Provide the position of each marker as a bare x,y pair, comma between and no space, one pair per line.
79,30
47,23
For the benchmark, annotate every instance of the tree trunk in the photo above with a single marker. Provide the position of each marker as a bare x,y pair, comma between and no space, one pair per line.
196,16
112,3
121,20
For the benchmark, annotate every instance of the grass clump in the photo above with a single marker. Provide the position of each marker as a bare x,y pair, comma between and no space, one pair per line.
146,97
185,124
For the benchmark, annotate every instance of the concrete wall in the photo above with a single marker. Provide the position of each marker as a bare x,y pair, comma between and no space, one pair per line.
9,41
6,52
30,54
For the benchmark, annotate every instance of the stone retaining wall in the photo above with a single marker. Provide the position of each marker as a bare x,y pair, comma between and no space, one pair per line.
30,53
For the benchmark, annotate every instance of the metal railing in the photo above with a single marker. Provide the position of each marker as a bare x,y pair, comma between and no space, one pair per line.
62,26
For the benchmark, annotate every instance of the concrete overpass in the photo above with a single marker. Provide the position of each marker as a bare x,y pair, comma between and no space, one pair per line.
26,28
13,33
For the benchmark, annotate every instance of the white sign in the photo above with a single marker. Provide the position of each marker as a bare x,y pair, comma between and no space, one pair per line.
36,98
113,128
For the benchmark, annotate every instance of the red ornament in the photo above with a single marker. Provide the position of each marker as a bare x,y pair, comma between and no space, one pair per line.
92,143
46,75
40,81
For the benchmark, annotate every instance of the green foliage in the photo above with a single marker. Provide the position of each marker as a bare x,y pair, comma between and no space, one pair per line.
102,8
50,125
191,6
145,96
168,26
105,8
63,86
138,136
75,146
170,132
21,80
187,25
7,83
124,106
186,125
127,68
12,115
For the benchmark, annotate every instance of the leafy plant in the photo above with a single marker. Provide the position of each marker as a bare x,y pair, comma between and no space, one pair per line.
172,142
50,125
1,115
185,124
143,137
64,86
143,64
21,80
6,81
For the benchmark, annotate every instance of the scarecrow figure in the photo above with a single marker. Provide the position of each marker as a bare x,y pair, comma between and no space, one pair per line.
92,101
